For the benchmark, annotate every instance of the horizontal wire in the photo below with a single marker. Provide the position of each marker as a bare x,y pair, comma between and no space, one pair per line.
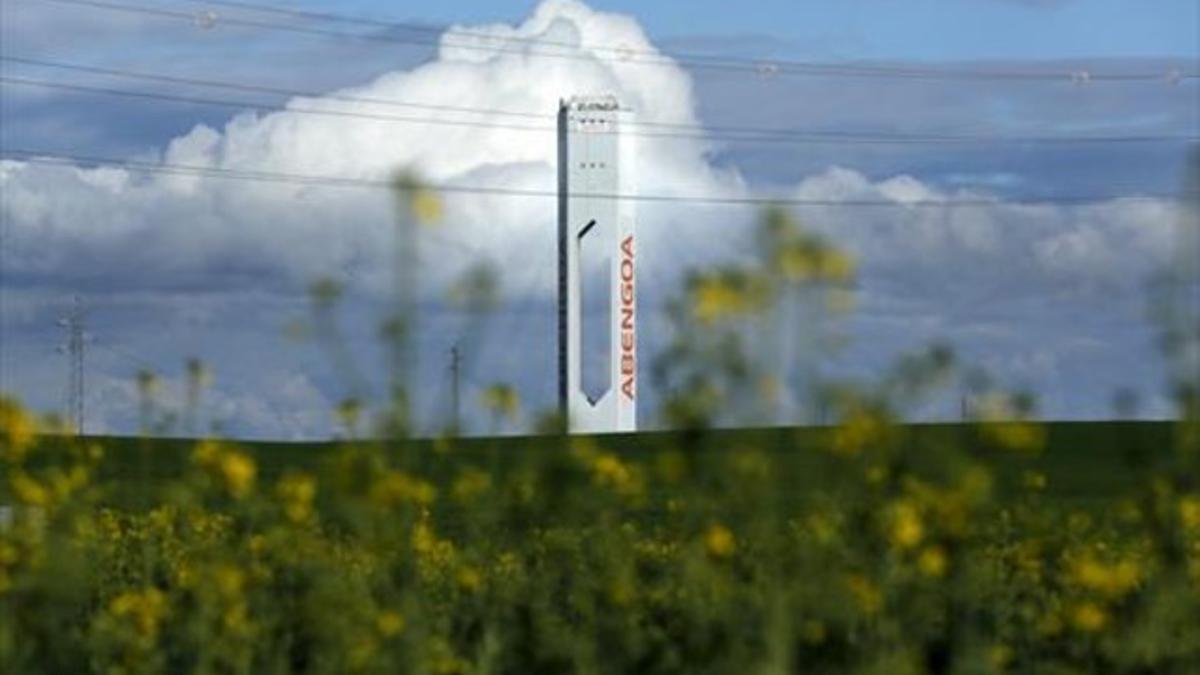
67,159
623,52
659,59
372,37
257,88
701,133
225,103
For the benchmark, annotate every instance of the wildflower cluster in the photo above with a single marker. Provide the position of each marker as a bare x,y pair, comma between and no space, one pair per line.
858,545
588,556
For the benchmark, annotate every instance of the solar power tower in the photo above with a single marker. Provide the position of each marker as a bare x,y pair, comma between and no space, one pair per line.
597,274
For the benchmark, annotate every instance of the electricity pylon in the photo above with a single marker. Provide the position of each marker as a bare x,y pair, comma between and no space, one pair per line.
73,323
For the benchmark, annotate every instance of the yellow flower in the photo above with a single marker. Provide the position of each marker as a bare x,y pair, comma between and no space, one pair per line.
229,581
719,542
8,554
1089,617
234,469
17,430
835,266
435,551
470,484
865,594
727,294
1000,656
236,617
1004,427
144,609
296,491
469,579
905,530
822,528
421,202
861,429
1189,513
876,474
609,471
389,623
426,206
239,471
62,483
507,565
1028,560
932,562
27,490
502,400
185,576
1018,436
395,487
1112,580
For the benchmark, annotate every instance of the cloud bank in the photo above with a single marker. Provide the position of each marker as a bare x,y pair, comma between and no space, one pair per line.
149,231
114,231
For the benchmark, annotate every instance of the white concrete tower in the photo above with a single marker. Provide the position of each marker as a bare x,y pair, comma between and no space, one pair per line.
597,272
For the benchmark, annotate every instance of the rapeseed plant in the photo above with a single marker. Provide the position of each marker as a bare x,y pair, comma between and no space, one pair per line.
866,546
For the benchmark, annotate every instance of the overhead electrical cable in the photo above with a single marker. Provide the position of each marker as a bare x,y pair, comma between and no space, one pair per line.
258,88
372,37
745,135
693,58
73,161
707,129
226,103
644,57
439,31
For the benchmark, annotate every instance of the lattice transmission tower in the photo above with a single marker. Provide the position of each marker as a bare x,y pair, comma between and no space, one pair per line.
73,323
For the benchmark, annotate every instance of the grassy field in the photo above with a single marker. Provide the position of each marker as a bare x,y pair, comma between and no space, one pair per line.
1082,461
868,547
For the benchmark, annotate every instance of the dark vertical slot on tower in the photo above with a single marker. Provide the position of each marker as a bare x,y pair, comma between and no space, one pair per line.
595,262
563,242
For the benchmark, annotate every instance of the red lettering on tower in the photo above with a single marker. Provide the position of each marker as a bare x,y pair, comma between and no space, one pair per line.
628,309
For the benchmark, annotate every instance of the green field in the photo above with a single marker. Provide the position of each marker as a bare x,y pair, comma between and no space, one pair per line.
1082,461
868,547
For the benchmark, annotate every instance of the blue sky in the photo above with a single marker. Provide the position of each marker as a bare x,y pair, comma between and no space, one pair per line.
1052,299
932,30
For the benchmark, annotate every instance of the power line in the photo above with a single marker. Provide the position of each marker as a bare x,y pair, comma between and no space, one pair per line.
622,52
258,88
226,103
764,136
640,57
709,131
71,160
209,20
438,31
141,362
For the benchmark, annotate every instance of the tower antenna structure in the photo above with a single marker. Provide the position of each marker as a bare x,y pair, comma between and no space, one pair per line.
597,275
73,323
455,371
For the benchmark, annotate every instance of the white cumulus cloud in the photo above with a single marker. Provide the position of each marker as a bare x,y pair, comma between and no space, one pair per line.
113,229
